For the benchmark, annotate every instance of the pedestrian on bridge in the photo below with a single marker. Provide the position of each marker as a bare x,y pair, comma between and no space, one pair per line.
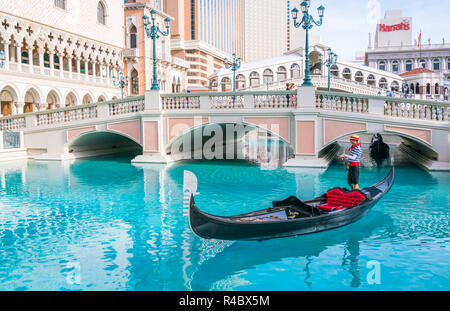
353,158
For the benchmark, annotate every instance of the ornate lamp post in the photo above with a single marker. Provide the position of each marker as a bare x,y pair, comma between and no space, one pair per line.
234,65
2,59
121,82
153,32
307,23
329,62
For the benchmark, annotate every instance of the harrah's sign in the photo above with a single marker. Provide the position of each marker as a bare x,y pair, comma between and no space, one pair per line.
402,26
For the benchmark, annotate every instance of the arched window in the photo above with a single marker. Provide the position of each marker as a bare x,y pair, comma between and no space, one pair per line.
448,63
428,88
56,60
226,84
436,88
423,63
383,83
359,76
395,67
411,87
382,65
281,73
25,57
371,80
101,13
436,64
409,65
133,37
417,88
240,82
268,76
134,82
254,79
334,70
46,60
295,71
347,74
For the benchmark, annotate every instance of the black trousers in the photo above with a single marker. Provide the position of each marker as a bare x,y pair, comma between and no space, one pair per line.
353,175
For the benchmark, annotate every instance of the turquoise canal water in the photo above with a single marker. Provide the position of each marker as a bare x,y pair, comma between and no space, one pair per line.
105,224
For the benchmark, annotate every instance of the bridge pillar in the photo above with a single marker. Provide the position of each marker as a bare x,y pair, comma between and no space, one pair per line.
152,131
307,131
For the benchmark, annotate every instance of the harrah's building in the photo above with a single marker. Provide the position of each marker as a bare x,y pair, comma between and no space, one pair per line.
402,26
425,67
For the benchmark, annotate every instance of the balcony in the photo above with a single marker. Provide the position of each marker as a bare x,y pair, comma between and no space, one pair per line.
129,53
180,62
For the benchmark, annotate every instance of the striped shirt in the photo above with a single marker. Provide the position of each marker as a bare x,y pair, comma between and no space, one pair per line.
355,155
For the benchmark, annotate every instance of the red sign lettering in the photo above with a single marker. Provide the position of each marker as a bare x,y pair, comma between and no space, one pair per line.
402,26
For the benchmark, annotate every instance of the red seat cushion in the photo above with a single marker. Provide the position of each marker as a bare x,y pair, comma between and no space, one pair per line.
339,199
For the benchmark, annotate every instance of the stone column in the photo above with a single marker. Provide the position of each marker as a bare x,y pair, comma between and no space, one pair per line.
78,68
18,56
101,72
41,52
86,70
20,108
108,74
6,45
94,64
51,54
30,59
70,59
61,65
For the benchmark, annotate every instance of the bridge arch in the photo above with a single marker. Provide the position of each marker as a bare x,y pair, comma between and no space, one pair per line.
212,127
408,139
91,141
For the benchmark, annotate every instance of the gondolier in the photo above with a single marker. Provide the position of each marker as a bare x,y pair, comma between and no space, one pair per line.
353,159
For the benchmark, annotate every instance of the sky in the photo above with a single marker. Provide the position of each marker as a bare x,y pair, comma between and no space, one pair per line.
347,23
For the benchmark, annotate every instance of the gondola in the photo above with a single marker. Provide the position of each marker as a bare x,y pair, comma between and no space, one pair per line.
379,151
335,208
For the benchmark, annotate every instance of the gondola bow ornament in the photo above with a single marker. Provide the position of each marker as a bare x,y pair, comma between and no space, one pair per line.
190,185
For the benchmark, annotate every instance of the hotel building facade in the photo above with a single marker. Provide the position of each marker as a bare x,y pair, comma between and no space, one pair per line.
270,30
59,53
138,52
424,66
203,33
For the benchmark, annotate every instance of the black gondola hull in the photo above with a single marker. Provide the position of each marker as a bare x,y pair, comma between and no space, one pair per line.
231,228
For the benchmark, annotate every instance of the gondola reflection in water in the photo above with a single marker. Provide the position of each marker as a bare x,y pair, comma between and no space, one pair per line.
335,208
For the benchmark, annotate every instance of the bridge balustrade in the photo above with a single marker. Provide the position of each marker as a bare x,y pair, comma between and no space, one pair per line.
437,111
133,106
417,109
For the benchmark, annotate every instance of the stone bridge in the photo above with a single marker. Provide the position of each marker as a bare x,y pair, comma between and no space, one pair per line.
309,121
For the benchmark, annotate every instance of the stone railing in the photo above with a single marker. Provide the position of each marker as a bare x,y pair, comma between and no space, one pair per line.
417,109
74,113
65,115
129,105
279,99
12,123
386,106
224,101
180,101
257,101
342,102
340,83
230,100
